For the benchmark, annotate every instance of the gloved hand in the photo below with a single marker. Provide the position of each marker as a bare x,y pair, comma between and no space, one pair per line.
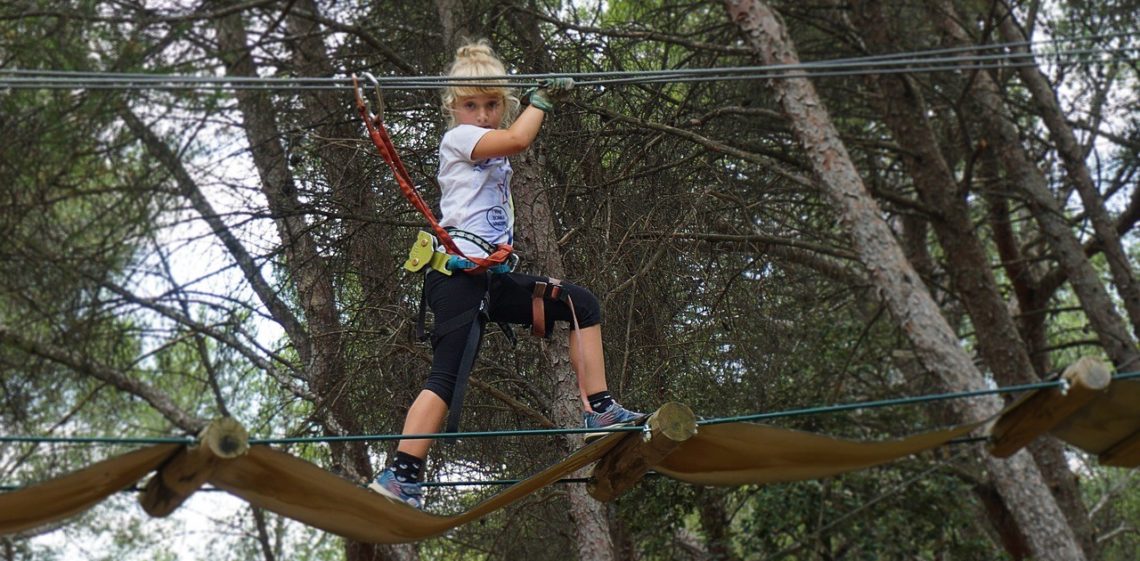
549,92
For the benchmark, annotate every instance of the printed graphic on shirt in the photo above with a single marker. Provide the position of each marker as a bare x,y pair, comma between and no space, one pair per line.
497,218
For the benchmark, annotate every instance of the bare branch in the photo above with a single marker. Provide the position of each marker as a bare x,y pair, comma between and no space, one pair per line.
83,365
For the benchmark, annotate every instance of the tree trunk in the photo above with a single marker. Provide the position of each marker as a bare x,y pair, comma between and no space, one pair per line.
1031,298
307,268
1072,155
535,226
453,19
350,192
716,523
538,237
351,185
904,110
1017,479
999,126
366,245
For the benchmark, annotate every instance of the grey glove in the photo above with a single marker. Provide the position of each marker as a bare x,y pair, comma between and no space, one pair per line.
549,92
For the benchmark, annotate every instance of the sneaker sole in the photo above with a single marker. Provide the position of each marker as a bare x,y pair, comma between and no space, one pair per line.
388,495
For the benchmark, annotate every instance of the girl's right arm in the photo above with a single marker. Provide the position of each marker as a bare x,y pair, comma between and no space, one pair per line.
510,141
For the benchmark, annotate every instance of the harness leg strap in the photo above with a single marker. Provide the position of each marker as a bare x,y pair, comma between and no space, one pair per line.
455,408
542,291
466,363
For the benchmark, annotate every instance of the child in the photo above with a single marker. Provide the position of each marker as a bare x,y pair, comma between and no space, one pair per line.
476,205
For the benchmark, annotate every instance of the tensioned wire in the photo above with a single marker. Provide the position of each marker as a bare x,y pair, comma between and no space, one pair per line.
898,57
808,411
961,58
28,79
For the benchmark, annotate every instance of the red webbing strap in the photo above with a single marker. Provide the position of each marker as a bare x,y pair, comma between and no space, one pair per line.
383,141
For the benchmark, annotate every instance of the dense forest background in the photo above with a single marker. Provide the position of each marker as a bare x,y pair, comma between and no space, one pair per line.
173,254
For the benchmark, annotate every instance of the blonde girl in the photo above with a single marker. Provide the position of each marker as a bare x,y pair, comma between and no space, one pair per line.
485,128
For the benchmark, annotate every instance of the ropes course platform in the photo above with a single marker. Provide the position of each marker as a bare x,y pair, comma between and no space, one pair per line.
1086,408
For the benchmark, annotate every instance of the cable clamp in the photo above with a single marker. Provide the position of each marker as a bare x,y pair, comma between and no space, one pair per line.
1064,386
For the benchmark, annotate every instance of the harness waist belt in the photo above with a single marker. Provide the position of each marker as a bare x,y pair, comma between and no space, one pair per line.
426,252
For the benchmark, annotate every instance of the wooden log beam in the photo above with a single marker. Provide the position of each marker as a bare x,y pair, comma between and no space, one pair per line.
186,471
1125,453
1042,410
628,462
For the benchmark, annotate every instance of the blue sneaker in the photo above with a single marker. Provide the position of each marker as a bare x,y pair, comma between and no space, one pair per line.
387,485
614,415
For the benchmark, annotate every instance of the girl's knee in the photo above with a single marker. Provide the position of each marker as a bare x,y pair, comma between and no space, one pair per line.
586,306
441,383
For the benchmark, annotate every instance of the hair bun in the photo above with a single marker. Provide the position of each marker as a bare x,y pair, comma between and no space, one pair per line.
476,50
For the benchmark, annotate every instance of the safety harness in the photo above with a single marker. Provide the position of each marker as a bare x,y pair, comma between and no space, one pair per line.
426,252
440,253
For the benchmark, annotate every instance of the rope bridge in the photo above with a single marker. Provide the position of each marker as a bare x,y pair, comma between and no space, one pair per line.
1086,407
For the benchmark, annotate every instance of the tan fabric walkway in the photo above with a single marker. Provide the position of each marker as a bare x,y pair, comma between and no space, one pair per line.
726,454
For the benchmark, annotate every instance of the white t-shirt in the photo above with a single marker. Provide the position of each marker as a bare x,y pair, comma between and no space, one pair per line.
476,194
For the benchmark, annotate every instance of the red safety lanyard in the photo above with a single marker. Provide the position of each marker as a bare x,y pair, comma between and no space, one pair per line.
379,135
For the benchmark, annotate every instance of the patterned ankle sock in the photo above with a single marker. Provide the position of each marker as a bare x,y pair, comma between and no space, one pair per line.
600,401
407,468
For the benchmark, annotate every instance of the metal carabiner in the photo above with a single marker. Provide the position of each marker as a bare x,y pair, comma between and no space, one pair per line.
379,95
361,103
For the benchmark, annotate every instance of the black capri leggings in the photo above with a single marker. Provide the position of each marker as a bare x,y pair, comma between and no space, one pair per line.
452,296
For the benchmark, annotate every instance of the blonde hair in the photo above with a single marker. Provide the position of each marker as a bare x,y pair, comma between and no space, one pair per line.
473,60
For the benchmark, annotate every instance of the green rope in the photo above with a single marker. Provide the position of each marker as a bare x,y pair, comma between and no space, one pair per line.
99,439
881,403
507,482
546,432
899,401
